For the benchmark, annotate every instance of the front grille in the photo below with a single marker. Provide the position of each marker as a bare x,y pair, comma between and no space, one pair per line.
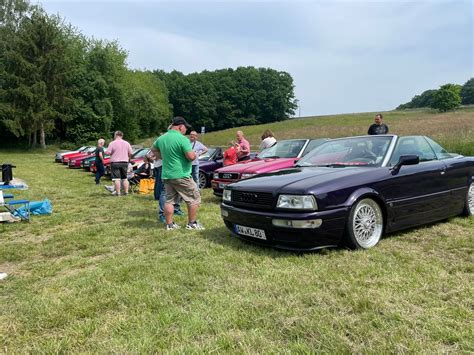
257,200
229,176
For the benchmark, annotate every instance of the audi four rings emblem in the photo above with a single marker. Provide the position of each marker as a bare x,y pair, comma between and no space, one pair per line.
249,197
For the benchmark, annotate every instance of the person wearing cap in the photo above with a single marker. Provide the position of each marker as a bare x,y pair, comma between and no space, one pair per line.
177,154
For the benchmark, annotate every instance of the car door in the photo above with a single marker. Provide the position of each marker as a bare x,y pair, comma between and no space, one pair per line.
416,194
457,176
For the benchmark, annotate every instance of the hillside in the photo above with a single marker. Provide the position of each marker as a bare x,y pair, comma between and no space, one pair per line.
439,126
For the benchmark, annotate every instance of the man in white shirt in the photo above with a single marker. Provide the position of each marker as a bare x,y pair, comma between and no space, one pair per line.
199,149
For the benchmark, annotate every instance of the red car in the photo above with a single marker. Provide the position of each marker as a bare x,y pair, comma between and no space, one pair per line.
76,163
137,156
282,155
66,157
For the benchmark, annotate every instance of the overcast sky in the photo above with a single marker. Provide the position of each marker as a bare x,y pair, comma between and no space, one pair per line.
344,56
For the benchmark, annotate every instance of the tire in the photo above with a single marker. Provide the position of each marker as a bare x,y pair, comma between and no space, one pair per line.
202,180
469,206
364,226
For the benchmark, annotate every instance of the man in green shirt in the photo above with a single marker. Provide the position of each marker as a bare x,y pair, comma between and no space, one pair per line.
177,155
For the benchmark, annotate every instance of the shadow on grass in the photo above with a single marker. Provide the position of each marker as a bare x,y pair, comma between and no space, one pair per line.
222,236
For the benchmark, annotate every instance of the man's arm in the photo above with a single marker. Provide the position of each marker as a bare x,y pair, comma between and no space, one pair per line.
191,155
203,149
245,148
101,156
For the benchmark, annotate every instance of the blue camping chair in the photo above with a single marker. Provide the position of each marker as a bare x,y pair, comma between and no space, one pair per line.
12,206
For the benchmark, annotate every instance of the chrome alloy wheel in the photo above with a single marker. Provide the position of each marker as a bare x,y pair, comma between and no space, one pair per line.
367,223
470,200
202,180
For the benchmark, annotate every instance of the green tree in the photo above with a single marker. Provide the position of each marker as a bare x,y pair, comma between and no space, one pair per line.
448,97
418,101
467,92
36,71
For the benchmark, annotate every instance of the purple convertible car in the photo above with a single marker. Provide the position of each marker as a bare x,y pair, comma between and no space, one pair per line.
209,162
350,191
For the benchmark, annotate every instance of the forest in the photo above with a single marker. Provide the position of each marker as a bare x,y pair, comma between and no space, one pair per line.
59,86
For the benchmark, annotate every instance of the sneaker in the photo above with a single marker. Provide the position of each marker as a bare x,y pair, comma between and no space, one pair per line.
172,226
178,213
195,226
109,188
114,193
163,218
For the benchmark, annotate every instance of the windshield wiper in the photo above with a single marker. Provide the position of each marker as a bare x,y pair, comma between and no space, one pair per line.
271,157
331,165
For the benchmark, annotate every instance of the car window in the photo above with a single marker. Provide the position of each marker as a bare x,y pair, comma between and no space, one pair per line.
412,145
357,151
314,143
283,149
440,152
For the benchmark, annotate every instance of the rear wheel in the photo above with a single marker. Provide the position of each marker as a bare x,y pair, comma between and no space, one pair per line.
469,206
365,224
202,180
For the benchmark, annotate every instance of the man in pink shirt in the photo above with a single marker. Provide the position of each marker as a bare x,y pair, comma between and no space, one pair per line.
120,152
244,152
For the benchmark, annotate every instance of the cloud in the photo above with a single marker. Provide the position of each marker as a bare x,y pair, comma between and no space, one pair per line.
347,56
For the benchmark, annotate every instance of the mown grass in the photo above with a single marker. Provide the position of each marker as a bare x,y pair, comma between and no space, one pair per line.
101,275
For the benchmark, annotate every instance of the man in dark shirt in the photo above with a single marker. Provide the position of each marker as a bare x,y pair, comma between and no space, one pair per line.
99,161
378,127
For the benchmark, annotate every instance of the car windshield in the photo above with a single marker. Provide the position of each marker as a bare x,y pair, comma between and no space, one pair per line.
206,156
283,149
360,151
140,153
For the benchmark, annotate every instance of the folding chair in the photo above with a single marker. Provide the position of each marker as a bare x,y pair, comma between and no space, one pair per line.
10,206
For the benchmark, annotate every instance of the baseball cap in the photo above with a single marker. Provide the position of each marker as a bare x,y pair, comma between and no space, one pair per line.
180,120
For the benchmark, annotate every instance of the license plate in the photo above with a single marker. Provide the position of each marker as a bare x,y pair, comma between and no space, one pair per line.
251,232
222,185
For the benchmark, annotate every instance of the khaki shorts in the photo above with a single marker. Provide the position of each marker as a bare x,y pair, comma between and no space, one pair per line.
186,188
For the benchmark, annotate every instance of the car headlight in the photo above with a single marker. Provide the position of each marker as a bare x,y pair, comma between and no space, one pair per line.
246,176
227,195
215,176
298,202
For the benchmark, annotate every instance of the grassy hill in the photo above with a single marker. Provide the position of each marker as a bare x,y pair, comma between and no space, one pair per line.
454,130
102,275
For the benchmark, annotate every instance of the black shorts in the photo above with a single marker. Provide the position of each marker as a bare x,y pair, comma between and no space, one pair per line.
119,170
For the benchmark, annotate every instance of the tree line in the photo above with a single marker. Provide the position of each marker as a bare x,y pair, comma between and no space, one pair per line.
58,85
447,97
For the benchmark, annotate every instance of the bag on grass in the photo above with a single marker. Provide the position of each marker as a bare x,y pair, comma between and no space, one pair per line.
146,186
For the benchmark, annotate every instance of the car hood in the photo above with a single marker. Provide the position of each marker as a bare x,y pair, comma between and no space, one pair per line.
259,166
303,180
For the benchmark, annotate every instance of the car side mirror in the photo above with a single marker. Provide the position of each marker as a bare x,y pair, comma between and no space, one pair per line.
411,159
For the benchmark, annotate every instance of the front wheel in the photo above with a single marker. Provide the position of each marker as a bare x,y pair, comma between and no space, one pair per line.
365,224
469,206
202,180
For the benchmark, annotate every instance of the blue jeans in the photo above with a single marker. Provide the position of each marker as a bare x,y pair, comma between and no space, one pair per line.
160,194
195,174
99,172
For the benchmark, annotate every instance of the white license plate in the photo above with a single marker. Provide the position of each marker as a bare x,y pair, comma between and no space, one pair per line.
222,185
251,232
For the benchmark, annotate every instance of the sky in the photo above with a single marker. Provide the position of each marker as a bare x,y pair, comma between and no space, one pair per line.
344,56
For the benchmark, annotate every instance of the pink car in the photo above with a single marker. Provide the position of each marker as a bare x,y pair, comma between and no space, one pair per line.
282,155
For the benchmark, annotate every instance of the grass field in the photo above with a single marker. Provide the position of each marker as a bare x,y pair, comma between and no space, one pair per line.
102,275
